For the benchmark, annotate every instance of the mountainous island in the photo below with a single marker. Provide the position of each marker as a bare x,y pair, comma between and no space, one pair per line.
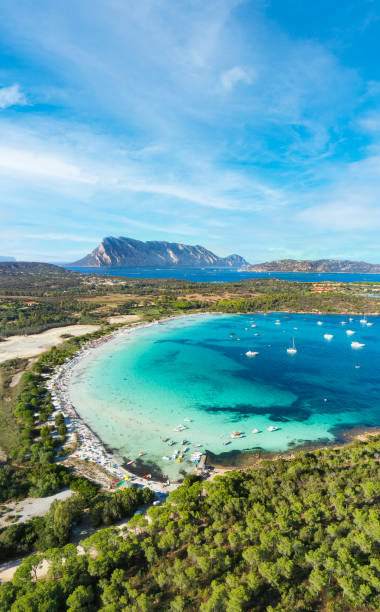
318,265
6,258
120,251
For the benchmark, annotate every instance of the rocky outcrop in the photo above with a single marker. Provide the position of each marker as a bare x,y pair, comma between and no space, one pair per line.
122,251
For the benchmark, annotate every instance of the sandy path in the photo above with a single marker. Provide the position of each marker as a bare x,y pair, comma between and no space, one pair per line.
30,346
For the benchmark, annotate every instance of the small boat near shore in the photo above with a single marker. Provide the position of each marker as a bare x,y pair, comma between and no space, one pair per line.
292,349
328,336
251,353
272,428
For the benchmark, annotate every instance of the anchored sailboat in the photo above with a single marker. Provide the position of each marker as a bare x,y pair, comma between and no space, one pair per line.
292,349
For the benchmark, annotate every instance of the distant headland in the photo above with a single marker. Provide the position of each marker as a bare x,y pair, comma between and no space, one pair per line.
318,265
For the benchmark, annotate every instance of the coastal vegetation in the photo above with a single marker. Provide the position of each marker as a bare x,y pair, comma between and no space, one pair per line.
36,297
298,534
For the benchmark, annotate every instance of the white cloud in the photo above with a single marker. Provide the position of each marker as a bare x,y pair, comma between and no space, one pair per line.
11,96
41,165
236,75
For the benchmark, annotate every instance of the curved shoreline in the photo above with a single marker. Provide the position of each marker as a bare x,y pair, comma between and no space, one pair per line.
94,449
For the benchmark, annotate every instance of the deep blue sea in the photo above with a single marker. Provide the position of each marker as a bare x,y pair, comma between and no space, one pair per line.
136,389
224,275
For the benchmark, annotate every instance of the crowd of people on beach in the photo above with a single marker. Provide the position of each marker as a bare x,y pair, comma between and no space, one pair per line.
88,447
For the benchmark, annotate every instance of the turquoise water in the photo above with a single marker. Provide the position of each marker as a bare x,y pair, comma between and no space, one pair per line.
134,390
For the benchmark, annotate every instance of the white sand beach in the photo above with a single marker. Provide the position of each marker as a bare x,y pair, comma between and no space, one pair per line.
90,448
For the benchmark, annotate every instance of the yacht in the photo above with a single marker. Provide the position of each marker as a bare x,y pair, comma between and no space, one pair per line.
292,349
251,353
255,430
237,434
350,332
319,322
364,320
328,336
357,345
272,428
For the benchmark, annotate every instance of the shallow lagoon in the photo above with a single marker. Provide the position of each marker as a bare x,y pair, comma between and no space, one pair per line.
134,390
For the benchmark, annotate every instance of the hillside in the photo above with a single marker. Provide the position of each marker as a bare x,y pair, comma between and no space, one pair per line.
318,265
6,258
123,251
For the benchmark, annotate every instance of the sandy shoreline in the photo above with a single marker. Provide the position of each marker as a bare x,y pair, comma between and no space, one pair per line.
90,447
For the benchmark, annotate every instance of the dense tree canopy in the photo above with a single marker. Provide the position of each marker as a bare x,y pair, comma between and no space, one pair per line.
299,534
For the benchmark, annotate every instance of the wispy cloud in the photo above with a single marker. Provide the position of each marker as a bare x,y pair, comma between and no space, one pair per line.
65,237
34,164
235,75
11,96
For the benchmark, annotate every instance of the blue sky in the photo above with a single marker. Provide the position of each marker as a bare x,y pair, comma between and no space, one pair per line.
248,126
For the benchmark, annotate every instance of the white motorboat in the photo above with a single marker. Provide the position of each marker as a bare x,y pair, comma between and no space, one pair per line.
255,430
319,322
251,353
328,336
350,332
357,345
272,428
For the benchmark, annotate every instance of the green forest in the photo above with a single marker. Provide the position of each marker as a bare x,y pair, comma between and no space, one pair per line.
299,534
